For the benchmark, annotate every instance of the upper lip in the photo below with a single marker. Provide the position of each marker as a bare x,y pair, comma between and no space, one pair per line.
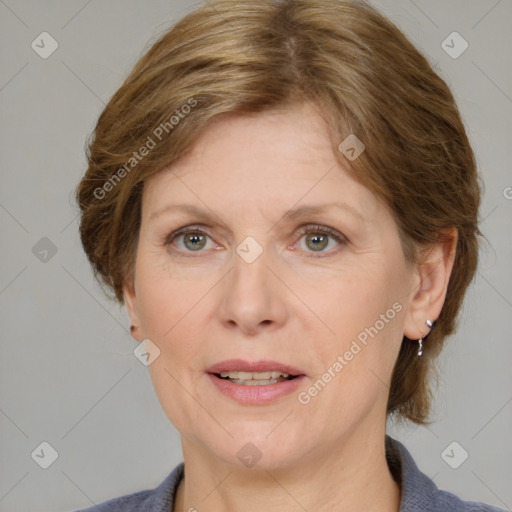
263,365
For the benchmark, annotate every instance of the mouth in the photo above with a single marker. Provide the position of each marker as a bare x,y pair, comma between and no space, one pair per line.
254,373
257,382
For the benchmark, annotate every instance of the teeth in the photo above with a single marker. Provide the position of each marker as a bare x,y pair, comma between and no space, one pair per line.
256,382
254,375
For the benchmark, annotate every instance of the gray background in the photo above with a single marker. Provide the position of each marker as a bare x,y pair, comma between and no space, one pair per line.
68,375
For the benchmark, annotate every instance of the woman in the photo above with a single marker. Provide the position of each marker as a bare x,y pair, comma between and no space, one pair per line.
284,197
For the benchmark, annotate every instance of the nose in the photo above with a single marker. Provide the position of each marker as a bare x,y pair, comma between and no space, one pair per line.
254,298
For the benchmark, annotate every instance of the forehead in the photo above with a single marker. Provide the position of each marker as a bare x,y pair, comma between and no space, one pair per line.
273,160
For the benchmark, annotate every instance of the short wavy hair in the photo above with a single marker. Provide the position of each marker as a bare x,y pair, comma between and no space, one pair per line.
250,56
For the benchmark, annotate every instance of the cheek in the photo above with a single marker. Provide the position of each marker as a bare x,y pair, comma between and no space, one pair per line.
163,298
172,315
365,309
168,312
354,299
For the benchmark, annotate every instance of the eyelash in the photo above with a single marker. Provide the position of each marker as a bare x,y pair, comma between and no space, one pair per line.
342,240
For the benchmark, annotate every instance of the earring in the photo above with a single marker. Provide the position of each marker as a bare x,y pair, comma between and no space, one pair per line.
430,324
132,328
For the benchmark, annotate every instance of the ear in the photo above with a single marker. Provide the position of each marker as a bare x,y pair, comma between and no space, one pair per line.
130,301
432,277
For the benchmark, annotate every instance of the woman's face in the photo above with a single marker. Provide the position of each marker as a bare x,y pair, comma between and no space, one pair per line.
254,286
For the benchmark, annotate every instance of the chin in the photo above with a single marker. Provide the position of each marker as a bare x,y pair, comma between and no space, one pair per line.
261,451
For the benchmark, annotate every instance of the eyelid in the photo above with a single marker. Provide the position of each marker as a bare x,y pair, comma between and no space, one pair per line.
167,239
322,229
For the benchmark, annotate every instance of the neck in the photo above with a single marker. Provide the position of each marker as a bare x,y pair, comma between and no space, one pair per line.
354,477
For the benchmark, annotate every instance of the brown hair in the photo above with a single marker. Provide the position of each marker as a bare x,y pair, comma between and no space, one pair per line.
358,70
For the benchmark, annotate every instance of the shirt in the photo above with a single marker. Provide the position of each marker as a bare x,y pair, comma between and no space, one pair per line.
419,492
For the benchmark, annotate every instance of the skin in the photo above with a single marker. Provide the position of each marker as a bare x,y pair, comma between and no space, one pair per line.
293,304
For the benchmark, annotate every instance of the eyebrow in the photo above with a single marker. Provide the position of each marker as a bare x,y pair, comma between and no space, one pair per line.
293,214
306,210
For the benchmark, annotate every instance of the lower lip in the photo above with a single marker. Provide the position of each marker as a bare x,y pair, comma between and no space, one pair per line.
256,395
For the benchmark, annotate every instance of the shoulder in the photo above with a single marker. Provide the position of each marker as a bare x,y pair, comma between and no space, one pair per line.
419,492
131,502
159,499
447,501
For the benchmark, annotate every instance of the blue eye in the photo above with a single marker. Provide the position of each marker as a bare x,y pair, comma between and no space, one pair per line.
195,239
317,238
